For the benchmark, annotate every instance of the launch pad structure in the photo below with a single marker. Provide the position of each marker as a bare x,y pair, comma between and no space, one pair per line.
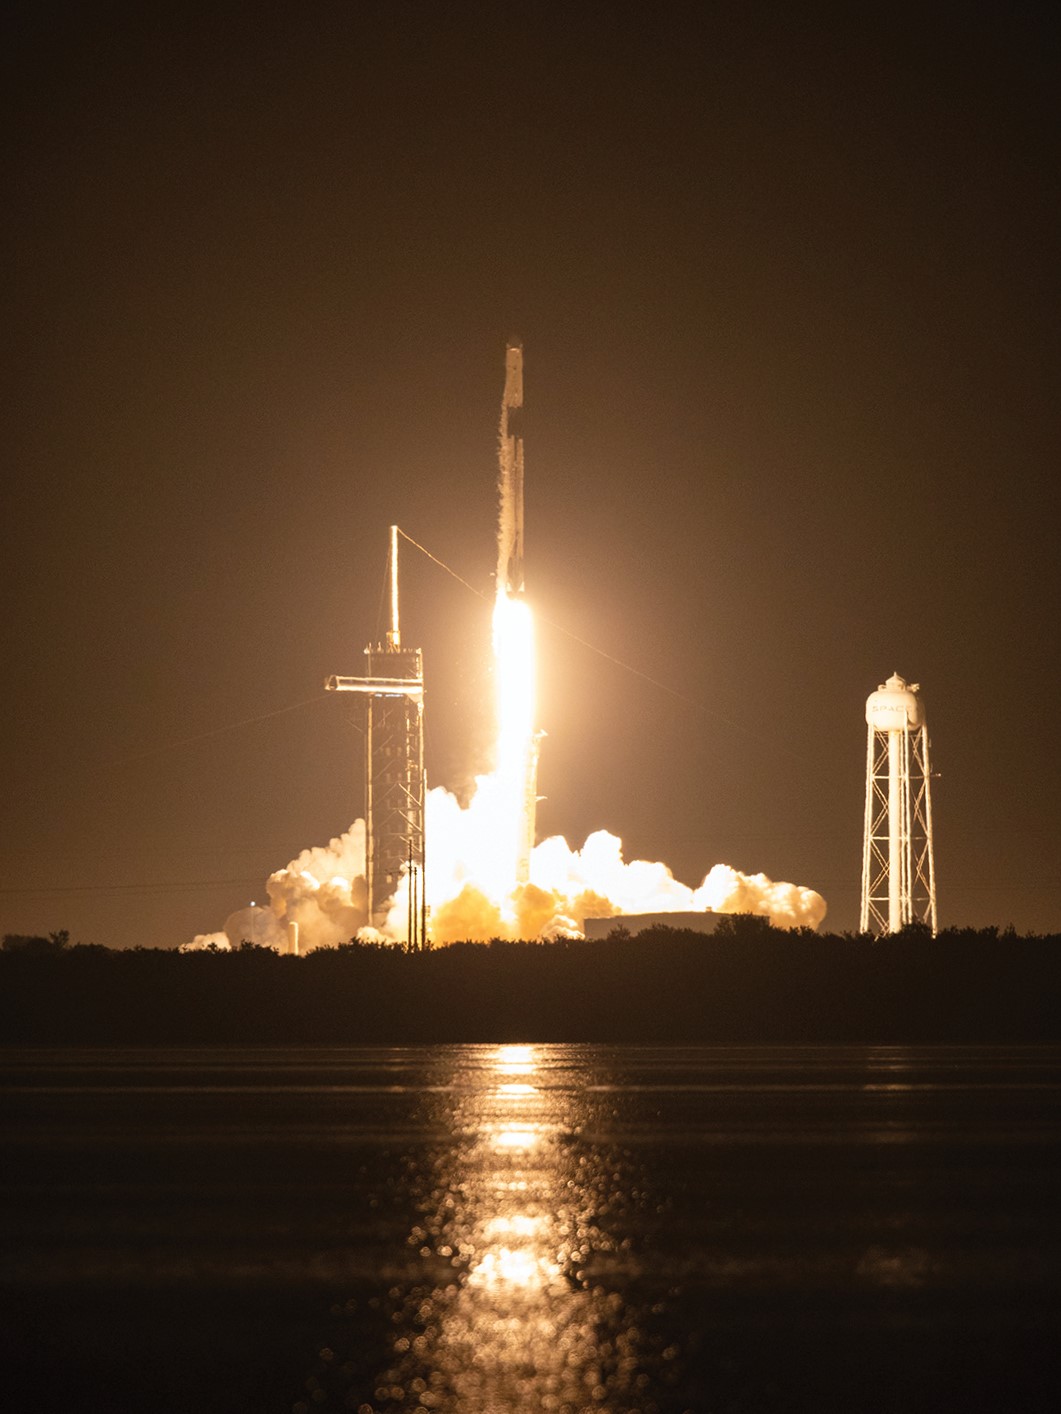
395,780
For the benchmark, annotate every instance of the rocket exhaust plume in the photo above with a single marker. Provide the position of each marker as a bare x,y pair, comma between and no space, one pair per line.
485,878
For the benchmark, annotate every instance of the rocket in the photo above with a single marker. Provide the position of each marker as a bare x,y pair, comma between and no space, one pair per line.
510,476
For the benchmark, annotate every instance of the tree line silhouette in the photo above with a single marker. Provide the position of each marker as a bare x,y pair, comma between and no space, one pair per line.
745,983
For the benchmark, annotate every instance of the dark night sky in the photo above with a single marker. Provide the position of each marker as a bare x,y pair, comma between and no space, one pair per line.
785,278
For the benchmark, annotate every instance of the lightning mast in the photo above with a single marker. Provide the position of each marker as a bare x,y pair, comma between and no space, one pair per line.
395,782
898,866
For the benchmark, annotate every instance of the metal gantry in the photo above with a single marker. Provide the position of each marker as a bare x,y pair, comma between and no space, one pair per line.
898,864
395,780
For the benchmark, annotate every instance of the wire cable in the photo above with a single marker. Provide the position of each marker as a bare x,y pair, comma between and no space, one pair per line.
128,888
601,653
214,731
442,566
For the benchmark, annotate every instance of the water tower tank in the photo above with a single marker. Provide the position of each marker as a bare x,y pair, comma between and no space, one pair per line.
895,706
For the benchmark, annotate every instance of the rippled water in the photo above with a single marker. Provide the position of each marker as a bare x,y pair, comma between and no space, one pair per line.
563,1228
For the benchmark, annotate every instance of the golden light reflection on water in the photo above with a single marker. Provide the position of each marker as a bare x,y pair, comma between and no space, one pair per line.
515,1060
646,1235
519,1224
512,1136
510,1307
515,1266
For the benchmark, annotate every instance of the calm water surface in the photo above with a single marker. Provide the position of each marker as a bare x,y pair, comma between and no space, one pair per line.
559,1228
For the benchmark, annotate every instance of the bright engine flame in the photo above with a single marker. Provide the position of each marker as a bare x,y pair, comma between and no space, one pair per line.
515,773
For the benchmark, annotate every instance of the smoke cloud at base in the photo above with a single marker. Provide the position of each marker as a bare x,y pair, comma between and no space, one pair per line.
471,895
324,891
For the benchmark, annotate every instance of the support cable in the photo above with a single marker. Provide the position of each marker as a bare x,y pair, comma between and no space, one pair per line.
214,731
156,887
601,653
459,578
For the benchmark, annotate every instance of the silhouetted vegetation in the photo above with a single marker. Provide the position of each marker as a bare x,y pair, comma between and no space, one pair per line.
35,944
745,983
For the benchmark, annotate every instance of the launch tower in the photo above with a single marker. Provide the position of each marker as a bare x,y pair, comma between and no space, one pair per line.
898,869
395,783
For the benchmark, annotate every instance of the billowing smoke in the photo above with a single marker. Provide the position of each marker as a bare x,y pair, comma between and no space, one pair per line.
324,891
207,942
255,924
469,899
471,894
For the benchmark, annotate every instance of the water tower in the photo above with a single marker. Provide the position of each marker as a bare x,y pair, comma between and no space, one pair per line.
898,870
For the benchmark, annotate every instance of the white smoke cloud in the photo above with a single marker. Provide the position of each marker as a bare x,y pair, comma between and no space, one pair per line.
597,874
205,942
471,894
323,891
258,925
726,890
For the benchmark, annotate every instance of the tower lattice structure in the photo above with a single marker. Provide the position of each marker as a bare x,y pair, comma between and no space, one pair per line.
898,861
395,779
